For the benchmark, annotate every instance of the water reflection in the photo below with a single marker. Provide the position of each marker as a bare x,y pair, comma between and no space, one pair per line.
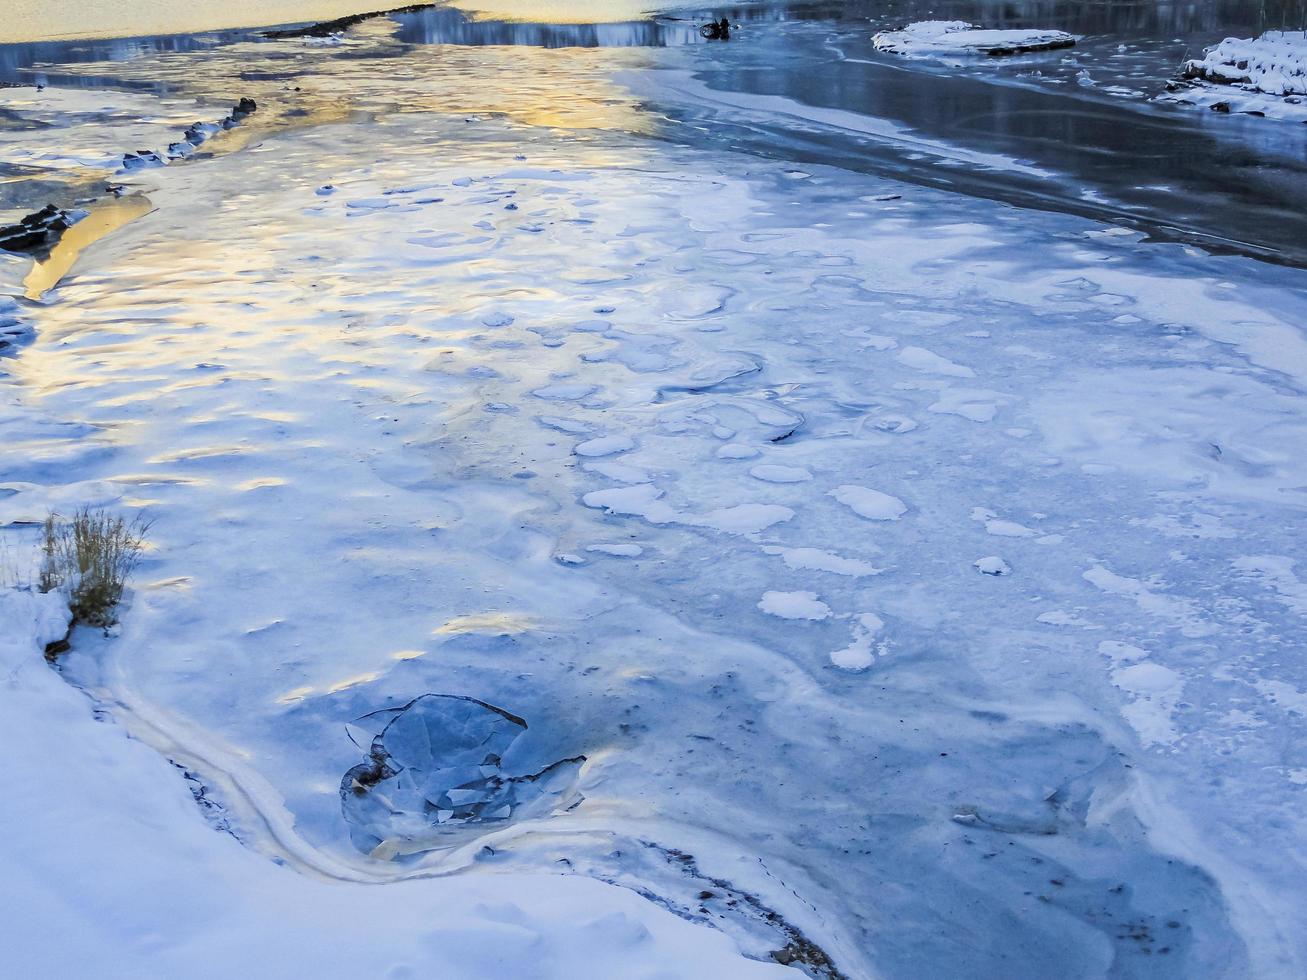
560,11
39,20
445,25
18,61
450,25
105,218
607,23
373,74
1153,18
1084,114
1119,157
25,62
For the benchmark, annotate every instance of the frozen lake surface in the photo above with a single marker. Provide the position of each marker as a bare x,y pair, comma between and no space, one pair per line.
909,570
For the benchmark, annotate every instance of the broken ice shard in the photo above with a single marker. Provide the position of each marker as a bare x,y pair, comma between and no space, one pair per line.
434,765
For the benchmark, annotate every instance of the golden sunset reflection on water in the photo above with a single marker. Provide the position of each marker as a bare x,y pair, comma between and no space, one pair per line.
559,11
51,20
298,85
56,20
103,220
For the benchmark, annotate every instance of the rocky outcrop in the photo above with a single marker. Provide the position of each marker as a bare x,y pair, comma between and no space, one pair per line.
196,134
327,28
39,231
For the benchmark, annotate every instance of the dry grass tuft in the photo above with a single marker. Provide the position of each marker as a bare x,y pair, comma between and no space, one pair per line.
92,556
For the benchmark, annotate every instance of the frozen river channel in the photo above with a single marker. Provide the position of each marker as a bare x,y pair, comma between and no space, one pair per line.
888,536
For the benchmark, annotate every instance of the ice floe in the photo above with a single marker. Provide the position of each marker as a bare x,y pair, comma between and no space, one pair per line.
874,505
435,766
604,446
858,654
793,605
957,37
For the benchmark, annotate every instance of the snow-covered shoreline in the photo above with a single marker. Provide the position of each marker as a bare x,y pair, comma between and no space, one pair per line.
1262,76
120,876
1274,63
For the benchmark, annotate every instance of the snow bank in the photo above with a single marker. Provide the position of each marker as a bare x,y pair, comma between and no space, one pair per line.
1261,76
1275,63
104,842
932,37
28,621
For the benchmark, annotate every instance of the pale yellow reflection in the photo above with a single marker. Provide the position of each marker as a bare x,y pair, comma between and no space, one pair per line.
44,20
177,582
354,681
557,11
499,623
198,453
261,483
47,20
158,479
298,694
564,88
141,503
105,218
